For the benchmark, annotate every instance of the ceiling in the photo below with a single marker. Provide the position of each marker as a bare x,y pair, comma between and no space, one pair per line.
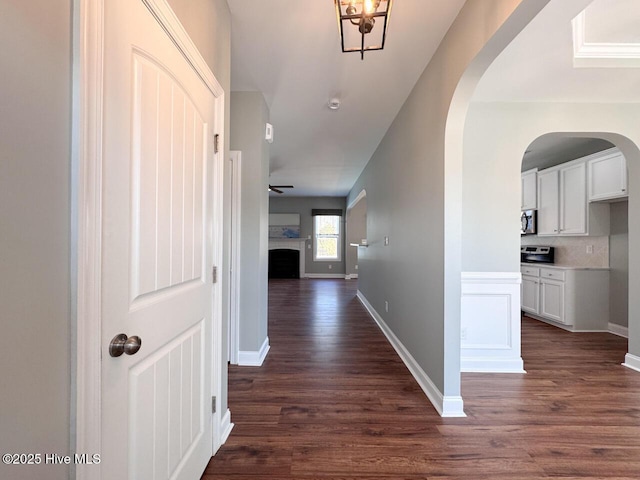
298,66
290,51
556,148
538,66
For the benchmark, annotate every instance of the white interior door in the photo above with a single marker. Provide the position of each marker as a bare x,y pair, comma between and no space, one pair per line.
157,252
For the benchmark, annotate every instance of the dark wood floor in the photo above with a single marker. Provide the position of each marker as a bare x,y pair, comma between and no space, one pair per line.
333,400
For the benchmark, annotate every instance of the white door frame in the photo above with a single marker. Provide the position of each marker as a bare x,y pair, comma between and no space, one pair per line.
88,62
235,157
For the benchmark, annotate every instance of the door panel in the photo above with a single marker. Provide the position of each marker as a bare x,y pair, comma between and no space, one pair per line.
168,192
166,399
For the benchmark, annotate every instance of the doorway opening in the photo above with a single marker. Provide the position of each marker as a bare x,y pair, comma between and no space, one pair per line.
356,235
577,185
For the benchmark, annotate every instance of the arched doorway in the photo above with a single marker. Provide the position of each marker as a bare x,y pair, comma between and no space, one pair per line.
496,138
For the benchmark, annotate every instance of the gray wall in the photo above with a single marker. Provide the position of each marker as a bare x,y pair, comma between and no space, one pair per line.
413,196
496,136
303,206
35,345
208,23
619,264
249,113
356,232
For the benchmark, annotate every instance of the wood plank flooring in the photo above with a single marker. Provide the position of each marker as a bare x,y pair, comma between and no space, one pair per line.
334,401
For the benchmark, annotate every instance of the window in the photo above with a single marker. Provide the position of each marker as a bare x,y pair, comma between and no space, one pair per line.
326,229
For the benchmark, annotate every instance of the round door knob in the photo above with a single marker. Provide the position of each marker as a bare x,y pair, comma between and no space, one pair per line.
122,344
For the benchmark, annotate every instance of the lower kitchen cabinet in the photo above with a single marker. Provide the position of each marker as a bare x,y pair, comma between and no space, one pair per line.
575,298
529,294
552,300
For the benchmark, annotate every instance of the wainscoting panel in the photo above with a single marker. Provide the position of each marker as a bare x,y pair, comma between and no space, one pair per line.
490,322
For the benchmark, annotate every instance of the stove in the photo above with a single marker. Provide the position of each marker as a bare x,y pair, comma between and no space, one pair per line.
536,254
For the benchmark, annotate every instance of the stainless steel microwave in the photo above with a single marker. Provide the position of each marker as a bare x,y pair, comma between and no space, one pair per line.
528,222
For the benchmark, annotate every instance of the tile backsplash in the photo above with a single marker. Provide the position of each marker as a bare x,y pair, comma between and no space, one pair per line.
572,251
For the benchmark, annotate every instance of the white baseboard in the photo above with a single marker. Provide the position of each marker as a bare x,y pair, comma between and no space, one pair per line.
324,275
632,362
490,322
492,365
619,330
225,427
446,406
252,358
351,276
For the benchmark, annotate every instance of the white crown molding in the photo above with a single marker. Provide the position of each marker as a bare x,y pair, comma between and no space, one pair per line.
361,195
601,54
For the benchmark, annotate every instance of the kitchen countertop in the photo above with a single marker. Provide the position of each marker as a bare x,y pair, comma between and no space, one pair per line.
555,266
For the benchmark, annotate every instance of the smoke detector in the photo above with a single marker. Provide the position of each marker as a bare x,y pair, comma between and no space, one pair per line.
334,104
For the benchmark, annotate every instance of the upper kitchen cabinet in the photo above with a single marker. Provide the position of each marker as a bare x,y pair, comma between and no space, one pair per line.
607,175
573,199
529,190
548,201
563,208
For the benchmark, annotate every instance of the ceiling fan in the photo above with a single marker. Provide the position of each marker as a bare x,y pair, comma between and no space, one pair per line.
276,188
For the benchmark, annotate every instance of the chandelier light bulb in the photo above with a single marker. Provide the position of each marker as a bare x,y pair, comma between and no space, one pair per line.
369,6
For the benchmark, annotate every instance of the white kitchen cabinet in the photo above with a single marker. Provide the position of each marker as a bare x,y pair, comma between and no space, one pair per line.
563,208
529,295
576,299
573,199
607,175
548,212
529,190
552,300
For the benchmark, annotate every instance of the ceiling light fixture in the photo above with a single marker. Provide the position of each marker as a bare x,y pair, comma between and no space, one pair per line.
363,14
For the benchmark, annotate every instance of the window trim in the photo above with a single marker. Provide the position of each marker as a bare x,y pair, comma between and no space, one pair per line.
339,238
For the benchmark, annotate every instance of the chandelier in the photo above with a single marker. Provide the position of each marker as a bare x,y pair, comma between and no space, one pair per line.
371,18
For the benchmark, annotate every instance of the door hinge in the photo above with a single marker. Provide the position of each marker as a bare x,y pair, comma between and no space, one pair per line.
216,138
213,404
215,274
